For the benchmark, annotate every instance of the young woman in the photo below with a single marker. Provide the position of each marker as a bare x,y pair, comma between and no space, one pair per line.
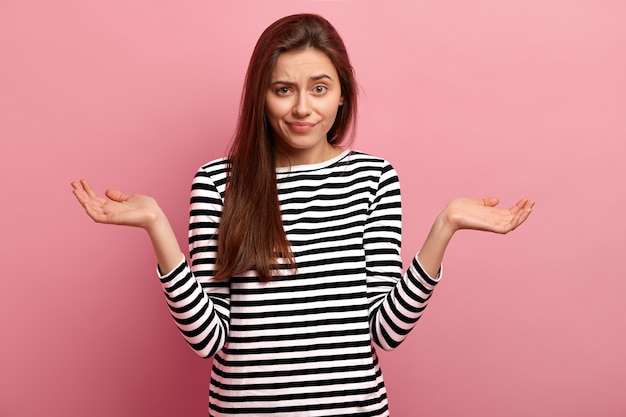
295,271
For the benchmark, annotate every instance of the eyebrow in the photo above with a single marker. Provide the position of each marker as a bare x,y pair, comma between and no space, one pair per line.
313,78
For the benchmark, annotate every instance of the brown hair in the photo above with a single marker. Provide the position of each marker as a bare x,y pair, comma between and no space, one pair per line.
251,234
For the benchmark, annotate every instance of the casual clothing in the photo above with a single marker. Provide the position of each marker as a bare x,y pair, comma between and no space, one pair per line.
302,344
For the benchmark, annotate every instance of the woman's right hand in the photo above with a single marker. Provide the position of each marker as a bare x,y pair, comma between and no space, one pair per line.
117,207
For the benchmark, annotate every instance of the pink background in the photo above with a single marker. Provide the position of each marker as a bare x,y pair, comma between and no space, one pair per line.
466,98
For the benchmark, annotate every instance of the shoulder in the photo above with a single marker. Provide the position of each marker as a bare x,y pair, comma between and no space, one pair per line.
378,170
365,160
212,175
216,169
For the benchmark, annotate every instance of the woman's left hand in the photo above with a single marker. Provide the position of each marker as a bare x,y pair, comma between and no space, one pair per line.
465,213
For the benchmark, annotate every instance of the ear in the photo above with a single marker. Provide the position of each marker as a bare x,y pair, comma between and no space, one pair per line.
341,101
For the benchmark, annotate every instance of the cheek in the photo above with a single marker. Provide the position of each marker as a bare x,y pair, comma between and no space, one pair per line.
332,110
272,116
274,109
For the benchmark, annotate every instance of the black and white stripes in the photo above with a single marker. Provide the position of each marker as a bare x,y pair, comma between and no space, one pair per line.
302,344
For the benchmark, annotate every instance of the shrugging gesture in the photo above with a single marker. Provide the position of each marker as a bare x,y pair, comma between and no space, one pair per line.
295,241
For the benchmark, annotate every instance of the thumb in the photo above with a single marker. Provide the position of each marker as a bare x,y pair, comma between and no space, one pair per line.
490,201
116,195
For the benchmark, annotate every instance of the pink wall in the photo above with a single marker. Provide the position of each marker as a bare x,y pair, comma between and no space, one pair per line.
466,98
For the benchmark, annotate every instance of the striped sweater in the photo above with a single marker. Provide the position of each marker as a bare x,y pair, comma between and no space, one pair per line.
303,343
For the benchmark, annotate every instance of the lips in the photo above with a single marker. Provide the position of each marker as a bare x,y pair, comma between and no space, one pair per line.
300,127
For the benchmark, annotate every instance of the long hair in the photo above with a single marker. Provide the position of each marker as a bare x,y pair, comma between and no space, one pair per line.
251,234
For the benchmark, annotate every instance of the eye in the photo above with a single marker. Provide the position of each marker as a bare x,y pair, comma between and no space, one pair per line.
281,91
320,89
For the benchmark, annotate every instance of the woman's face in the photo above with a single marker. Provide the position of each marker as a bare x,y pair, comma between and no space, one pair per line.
301,104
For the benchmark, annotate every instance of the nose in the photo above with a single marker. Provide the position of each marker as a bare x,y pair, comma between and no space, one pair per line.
302,107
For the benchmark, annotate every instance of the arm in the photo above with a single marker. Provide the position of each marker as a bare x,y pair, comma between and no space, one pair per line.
198,306
397,302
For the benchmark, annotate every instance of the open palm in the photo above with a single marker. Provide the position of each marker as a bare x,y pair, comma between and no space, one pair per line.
465,213
116,207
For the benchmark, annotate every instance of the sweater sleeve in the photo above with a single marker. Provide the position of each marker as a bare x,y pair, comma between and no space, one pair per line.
200,306
396,300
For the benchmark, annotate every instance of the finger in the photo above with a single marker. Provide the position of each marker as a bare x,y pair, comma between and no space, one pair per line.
522,203
79,192
520,206
524,207
87,187
116,195
78,188
490,201
528,208
523,213
75,186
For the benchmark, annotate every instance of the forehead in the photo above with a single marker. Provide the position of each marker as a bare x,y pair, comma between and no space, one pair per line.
305,63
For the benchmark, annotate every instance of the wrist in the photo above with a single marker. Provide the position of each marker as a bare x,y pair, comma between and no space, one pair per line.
156,221
445,224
